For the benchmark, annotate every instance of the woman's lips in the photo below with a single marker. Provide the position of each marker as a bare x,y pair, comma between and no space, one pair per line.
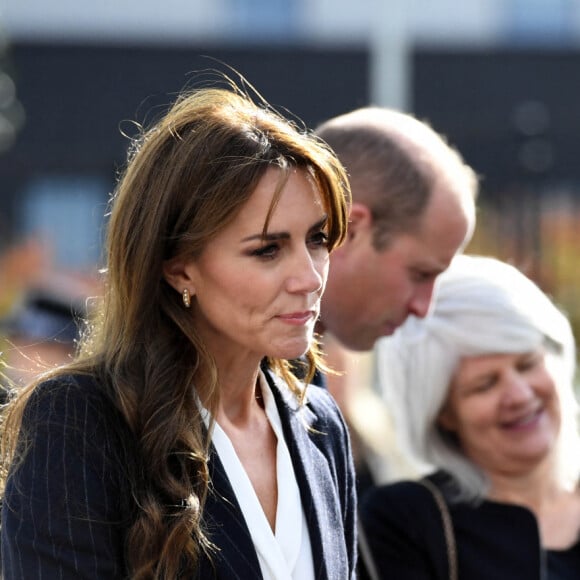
297,318
524,422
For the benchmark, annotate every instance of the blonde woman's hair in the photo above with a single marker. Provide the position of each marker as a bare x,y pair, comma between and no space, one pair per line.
482,306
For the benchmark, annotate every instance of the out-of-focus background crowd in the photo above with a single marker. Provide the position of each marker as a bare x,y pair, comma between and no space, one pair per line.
500,78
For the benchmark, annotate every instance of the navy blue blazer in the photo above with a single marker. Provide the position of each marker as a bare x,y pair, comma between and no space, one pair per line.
66,509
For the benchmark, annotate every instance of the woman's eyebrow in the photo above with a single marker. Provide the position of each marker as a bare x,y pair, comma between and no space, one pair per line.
320,223
273,236
270,236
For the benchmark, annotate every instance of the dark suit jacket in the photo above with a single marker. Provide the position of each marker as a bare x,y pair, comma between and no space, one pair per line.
494,540
66,508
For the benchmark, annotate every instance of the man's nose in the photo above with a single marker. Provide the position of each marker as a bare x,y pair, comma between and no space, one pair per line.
421,300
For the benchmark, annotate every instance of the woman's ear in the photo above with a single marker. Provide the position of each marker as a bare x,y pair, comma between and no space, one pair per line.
177,273
446,418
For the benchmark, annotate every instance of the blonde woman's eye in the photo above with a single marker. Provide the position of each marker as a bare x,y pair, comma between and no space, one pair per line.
530,363
482,386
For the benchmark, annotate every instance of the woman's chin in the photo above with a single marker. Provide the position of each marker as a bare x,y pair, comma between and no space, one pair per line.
290,351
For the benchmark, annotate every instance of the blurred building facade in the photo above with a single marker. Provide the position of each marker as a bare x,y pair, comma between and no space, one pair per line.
499,77
482,22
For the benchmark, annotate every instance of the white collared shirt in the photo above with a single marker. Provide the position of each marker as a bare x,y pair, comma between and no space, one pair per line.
287,553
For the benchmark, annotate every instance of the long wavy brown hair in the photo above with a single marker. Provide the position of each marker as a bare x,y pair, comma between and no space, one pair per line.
187,176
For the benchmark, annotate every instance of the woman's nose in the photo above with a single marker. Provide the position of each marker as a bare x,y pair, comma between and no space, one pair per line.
518,388
307,274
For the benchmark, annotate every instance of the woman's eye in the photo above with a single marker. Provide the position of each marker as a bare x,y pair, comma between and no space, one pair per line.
482,386
268,251
529,363
319,239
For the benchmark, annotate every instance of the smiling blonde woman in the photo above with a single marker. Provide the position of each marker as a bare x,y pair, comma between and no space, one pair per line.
482,393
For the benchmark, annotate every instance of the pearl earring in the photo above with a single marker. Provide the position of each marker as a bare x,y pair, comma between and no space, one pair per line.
186,298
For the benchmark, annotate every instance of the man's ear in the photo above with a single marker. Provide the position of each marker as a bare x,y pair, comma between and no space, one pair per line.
178,274
360,221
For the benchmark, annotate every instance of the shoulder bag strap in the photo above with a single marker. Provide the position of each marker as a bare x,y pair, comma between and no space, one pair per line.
365,554
447,527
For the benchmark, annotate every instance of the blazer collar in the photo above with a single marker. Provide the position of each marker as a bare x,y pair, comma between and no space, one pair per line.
237,558
312,472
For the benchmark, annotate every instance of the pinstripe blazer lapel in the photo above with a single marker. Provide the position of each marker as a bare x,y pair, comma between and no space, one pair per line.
237,558
320,500
309,440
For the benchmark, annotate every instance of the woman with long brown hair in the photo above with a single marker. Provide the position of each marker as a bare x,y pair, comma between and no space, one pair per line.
180,443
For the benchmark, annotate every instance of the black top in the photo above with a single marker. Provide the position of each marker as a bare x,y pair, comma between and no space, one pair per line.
494,540
564,564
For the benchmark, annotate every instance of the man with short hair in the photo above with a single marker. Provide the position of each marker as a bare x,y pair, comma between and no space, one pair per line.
413,209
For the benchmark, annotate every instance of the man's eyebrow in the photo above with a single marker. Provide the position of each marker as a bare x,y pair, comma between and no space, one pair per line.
273,236
435,266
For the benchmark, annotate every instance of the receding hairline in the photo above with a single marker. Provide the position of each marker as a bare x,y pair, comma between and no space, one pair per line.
422,147
392,157
385,120
413,135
